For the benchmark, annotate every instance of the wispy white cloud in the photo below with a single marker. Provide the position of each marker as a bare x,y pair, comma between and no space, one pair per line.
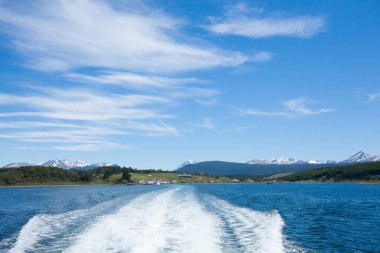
254,23
34,124
84,135
64,35
292,108
241,8
241,129
261,57
78,104
174,88
133,80
193,93
299,107
88,147
86,119
78,147
152,128
208,101
207,123
257,112
131,47
373,96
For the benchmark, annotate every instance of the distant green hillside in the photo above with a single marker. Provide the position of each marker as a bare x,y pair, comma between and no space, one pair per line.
362,171
39,175
233,169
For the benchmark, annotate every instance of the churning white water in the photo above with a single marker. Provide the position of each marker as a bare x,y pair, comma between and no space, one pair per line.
171,220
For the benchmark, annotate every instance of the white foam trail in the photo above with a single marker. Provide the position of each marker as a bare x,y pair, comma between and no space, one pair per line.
165,222
169,220
191,228
255,231
124,230
31,233
44,227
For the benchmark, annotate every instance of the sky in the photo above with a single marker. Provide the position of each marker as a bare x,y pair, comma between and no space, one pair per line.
150,84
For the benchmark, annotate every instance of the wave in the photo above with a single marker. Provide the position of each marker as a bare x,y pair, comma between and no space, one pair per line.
246,230
52,232
170,220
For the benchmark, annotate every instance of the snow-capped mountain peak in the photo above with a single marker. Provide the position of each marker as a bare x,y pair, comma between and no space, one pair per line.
64,164
360,157
314,162
281,160
79,163
18,164
104,164
187,163
277,160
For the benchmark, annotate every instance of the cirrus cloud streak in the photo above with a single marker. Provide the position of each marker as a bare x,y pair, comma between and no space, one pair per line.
292,108
254,23
64,35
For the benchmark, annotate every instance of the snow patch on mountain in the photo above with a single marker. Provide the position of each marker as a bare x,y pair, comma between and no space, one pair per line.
186,163
17,164
318,162
277,160
63,164
361,157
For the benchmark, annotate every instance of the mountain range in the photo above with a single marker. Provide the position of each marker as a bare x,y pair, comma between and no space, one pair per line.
356,158
260,167
277,164
361,157
64,164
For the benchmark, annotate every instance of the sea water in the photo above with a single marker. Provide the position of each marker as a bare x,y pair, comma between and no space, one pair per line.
191,218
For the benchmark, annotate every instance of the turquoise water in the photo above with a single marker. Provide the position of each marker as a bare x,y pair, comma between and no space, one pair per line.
191,218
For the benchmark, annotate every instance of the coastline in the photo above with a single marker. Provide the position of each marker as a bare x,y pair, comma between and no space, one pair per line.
334,182
52,185
232,183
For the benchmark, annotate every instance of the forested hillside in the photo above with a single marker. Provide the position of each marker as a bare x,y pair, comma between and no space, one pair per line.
361,171
236,169
31,175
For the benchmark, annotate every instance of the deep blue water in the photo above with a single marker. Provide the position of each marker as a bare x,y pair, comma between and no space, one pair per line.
191,218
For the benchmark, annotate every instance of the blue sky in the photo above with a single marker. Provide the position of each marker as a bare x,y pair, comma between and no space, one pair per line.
153,83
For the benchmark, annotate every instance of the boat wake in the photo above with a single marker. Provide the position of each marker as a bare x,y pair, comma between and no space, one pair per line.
170,220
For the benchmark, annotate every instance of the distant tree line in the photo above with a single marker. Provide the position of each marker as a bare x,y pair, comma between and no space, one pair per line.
40,174
361,171
52,175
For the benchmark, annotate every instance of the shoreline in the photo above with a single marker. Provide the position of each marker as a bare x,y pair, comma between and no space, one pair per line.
52,185
232,183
